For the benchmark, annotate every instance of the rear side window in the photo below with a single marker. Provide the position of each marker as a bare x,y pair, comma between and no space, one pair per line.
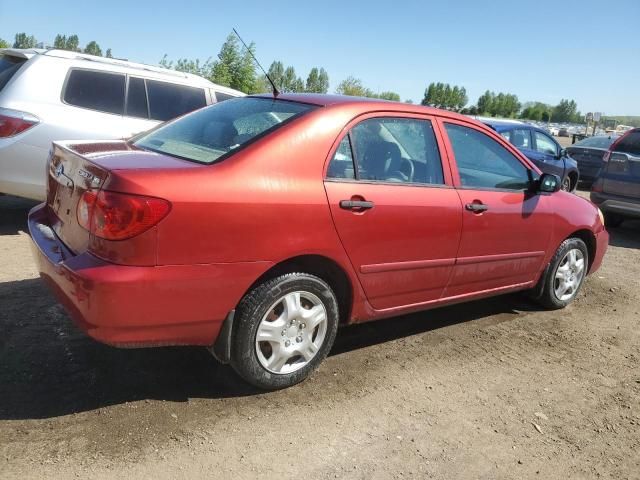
100,91
630,143
137,99
8,67
168,100
520,137
221,97
387,149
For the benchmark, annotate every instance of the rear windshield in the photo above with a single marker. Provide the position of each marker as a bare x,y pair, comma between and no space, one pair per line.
630,143
9,65
221,129
601,141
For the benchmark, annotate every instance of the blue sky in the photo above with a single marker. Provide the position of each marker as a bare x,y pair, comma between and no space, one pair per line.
545,50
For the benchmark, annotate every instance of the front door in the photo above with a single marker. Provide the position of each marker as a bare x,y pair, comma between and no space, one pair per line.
395,209
506,229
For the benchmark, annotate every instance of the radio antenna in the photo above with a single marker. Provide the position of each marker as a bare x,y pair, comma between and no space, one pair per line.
273,85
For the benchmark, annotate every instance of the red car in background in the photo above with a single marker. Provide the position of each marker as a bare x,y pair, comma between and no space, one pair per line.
259,225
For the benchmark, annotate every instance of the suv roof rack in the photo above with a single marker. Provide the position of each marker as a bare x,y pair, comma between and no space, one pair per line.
115,61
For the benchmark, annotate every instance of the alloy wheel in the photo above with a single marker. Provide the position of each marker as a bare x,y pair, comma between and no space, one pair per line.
569,275
291,332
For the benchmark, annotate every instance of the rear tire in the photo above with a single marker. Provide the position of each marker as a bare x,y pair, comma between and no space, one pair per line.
565,275
284,328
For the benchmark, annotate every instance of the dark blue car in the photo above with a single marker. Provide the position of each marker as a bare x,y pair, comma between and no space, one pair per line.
541,149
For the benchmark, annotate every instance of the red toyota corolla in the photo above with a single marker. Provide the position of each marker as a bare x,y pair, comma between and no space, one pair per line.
259,225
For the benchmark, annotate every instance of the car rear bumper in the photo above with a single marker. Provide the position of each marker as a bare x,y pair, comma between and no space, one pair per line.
131,306
614,204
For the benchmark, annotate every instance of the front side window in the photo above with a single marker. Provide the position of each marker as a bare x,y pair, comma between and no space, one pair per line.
95,90
214,132
399,150
169,100
545,145
483,162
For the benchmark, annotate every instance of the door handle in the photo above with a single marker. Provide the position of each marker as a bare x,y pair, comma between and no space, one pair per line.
476,207
356,204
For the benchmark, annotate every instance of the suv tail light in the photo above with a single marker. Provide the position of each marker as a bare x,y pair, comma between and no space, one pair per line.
13,122
118,216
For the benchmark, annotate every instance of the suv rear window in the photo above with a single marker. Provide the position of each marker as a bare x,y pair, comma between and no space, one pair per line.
100,91
222,129
9,65
630,143
168,100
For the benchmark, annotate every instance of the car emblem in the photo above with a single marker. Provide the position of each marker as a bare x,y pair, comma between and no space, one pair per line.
59,170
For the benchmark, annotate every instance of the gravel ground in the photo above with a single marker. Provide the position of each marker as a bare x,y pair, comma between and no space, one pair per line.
491,389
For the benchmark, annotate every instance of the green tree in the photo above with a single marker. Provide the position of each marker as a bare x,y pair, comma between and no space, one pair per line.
93,48
353,87
429,95
409,101
73,43
291,82
60,42
3,43
317,81
393,96
566,111
108,54
22,40
244,74
228,58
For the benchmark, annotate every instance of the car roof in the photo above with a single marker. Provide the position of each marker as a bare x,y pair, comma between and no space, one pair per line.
119,65
365,104
504,125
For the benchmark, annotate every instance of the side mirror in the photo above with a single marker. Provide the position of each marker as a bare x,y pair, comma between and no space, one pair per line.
549,183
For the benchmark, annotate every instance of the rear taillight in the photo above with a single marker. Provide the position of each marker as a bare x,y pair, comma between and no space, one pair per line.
118,216
13,122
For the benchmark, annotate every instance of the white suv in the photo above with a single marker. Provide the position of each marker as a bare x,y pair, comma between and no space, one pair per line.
48,95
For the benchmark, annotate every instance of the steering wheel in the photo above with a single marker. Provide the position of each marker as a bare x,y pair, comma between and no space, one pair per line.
411,169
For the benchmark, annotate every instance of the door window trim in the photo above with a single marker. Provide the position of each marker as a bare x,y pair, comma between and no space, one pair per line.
346,130
126,98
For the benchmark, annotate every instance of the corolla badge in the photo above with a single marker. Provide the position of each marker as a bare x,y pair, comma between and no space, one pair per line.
59,170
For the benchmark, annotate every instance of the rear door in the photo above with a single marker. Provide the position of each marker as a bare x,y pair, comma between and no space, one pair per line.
505,229
622,176
394,208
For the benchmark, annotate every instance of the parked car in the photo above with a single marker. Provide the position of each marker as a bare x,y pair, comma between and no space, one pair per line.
563,132
48,95
554,131
617,189
259,225
541,149
589,153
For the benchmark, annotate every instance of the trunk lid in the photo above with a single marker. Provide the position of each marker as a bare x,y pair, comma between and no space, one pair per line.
75,167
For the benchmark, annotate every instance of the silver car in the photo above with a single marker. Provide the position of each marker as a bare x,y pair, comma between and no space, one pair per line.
48,95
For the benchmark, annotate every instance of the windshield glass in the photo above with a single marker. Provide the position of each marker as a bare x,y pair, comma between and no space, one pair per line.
601,141
9,65
213,132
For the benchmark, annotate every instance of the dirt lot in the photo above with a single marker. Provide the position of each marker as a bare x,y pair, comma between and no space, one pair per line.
493,389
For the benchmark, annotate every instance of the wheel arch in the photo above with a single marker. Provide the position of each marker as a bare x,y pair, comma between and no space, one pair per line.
321,266
589,240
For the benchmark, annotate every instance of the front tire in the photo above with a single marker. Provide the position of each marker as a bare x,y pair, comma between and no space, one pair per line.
284,329
565,275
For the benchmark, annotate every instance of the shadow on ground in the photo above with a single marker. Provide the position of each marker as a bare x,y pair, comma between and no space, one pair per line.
49,368
13,214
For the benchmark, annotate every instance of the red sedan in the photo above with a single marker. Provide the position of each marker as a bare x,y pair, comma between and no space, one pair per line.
259,225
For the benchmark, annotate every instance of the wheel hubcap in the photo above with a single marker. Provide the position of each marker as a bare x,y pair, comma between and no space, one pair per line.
291,332
566,185
569,275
